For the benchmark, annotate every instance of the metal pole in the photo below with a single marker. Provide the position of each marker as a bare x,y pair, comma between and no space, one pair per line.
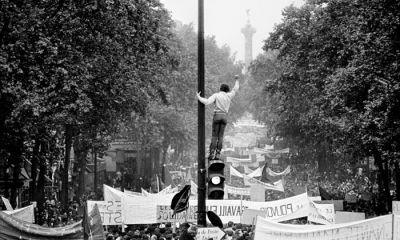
201,199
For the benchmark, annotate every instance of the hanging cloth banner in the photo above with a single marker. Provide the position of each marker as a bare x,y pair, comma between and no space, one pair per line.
275,174
256,173
277,186
374,228
238,160
24,214
237,190
247,170
235,172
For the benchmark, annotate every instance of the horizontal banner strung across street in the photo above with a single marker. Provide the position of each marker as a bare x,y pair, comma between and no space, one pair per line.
379,228
144,210
137,209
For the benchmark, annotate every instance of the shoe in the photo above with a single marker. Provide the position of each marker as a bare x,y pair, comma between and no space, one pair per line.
217,155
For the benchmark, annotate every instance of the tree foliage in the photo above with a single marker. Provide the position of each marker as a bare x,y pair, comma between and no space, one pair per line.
336,93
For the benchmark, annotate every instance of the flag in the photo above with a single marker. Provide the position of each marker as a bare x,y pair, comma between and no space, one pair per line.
324,194
95,224
264,174
180,202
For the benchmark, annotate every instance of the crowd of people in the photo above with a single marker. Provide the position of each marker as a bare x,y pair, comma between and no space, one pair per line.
337,184
185,231
358,192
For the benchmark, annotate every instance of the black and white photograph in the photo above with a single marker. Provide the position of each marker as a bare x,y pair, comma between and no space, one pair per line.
199,119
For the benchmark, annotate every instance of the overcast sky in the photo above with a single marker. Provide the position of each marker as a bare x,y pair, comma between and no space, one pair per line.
225,18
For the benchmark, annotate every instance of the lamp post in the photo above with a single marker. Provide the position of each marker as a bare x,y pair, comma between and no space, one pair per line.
201,177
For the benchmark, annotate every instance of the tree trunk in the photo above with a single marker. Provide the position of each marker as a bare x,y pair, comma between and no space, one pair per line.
163,162
15,185
40,190
383,180
16,160
35,162
65,169
81,149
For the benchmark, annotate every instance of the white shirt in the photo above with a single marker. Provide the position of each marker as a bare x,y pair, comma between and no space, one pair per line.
221,99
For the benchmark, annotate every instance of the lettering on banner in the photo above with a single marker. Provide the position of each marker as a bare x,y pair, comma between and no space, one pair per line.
278,211
164,214
379,229
207,233
226,211
110,211
321,213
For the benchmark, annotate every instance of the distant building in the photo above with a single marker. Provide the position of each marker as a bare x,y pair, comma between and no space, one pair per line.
140,165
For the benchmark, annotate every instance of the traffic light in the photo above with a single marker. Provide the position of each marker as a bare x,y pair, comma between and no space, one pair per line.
216,179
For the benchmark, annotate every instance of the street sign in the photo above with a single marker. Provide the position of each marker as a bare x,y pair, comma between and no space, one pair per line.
206,233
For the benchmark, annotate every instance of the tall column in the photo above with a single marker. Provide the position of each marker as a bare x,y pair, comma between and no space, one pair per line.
248,32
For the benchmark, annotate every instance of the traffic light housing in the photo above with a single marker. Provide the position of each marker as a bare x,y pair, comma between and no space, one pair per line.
215,179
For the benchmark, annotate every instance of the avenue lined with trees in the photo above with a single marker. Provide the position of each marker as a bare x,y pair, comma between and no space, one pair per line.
82,73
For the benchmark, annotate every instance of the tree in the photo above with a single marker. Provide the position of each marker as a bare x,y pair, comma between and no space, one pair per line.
335,59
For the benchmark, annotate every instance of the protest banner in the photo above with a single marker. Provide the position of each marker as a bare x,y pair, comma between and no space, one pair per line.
315,198
237,190
143,209
111,194
227,210
379,228
284,209
277,186
257,193
110,211
275,174
238,160
249,216
396,227
164,214
321,213
24,214
214,233
256,173
234,172
345,217
396,207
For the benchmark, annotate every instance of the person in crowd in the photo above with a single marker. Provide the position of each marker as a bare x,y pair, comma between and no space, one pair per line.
222,101
185,235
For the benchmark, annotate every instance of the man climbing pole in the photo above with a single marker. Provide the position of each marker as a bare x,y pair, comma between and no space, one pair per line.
222,101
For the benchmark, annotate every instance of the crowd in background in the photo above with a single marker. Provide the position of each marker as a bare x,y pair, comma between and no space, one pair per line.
337,184
359,192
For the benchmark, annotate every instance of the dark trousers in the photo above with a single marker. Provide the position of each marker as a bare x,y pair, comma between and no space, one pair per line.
218,129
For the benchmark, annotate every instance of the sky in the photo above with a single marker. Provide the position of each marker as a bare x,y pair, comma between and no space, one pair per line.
224,19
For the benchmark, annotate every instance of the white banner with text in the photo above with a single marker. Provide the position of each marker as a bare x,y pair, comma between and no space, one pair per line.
379,228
